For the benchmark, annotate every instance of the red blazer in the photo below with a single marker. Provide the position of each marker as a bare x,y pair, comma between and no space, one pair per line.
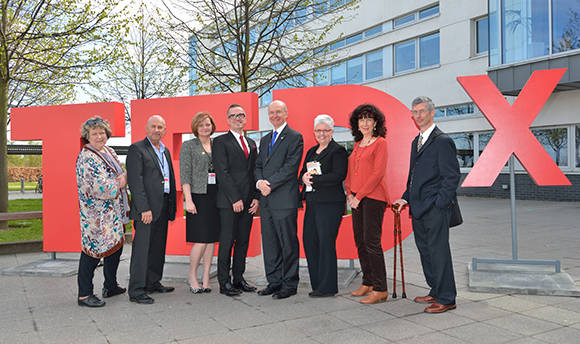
367,171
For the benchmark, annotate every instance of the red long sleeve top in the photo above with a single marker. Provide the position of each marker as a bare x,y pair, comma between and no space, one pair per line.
367,171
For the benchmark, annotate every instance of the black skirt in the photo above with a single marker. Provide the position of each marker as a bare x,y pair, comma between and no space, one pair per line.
203,227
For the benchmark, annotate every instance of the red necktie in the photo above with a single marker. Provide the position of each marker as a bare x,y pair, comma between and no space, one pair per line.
244,146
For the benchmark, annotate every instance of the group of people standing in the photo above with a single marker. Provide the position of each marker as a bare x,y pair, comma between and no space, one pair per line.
225,180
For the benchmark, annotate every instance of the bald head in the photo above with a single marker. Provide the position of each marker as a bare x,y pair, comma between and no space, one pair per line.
277,113
155,129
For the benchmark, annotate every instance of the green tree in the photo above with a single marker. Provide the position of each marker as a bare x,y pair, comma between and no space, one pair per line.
253,45
146,68
46,48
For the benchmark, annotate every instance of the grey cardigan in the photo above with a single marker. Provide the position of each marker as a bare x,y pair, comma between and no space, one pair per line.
194,163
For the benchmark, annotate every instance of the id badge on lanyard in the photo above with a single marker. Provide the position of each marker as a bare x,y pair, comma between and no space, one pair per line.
211,178
165,183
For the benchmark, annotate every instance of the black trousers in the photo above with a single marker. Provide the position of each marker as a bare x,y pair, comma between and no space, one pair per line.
432,239
321,222
87,266
234,233
148,253
281,247
367,224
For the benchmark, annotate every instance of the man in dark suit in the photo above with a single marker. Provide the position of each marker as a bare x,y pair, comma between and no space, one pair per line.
153,203
276,174
431,187
234,160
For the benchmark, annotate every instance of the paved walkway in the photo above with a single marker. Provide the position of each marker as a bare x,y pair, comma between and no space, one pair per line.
44,310
27,194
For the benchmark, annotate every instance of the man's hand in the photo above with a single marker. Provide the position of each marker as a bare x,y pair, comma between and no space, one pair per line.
264,187
253,207
353,201
307,179
147,217
238,206
398,205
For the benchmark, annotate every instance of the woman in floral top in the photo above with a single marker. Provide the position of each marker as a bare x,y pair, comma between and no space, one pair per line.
103,207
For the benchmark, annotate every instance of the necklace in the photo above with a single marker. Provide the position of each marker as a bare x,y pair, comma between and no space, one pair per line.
369,141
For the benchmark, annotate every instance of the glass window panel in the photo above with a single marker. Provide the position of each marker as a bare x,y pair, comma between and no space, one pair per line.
429,50
565,25
404,20
321,77
338,74
301,15
577,145
354,68
320,7
337,44
405,56
457,110
439,112
482,35
266,98
374,64
525,29
373,31
464,145
354,39
555,142
429,12
494,33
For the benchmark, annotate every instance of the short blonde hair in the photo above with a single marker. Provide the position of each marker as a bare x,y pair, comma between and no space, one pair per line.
95,122
200,117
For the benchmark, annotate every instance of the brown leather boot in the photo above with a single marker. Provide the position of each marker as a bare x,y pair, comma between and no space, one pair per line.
375,297
362,291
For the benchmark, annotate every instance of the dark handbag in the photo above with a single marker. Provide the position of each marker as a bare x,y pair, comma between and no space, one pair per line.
456,219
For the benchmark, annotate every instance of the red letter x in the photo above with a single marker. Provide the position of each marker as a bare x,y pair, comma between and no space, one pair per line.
512,125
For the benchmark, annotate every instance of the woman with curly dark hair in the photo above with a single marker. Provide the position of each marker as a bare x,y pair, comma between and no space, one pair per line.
366,192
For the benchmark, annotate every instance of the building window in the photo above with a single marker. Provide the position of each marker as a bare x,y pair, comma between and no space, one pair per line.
404,20
464,145
455,110
338,44
577,145
354,70
405,56
484,140
338,74
373,31
555,142
429,12
429,50
482,35
354,39
525,29
374,64
565,25
321,77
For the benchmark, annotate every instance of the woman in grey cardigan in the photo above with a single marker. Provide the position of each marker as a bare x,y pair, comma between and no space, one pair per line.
198,182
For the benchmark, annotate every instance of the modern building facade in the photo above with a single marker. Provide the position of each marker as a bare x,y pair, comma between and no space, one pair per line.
419,47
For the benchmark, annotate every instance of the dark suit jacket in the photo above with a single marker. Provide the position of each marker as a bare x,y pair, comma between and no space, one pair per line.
280,168
334,164
235,172
145,181
433,174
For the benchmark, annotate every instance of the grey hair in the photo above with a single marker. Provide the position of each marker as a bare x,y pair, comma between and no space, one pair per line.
324,118
424,99
95,122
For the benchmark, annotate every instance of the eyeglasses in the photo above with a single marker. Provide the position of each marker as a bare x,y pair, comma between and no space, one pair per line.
419,112
94,121
237,115
322,131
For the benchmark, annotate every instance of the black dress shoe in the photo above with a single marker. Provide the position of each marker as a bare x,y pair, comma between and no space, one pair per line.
229,290
142,299
244,286
91,301
268,291
316,293
284,293
118,290
160,289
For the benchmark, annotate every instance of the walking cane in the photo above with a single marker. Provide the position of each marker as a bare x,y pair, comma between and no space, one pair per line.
397,233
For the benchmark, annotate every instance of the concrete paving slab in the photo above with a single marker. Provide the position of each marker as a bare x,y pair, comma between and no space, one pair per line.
441,321
561,335
44,268
555,315
432,338
396,329
522,324
481,333
361,315
349,336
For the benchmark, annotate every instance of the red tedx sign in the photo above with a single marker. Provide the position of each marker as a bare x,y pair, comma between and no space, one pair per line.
58,128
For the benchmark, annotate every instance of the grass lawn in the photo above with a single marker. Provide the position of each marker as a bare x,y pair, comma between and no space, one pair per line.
23,230
15,186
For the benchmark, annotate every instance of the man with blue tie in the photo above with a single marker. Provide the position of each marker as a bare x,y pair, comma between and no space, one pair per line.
277,179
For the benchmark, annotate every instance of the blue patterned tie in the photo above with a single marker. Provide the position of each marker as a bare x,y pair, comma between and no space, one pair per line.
273,140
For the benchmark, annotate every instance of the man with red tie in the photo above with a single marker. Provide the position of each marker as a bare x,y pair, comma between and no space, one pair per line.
234,160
